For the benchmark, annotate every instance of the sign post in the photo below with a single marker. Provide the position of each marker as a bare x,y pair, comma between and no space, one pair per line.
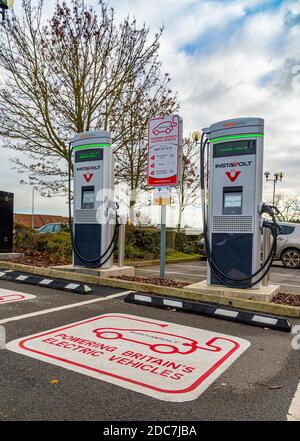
163,214
164,168
162,197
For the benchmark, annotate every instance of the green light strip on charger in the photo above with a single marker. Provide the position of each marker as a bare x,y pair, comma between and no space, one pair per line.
90,146
245,135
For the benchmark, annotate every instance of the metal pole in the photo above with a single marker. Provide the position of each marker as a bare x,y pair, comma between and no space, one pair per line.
121,245
266,251
274,191
163,241
32,212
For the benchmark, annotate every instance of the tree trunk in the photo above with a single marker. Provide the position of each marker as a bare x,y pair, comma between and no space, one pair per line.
179,218
133,197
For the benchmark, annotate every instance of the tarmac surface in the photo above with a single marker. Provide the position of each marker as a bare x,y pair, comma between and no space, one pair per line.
288,279
259,385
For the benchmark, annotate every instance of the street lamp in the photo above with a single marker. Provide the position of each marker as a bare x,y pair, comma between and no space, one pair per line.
32,208
5,4
277,178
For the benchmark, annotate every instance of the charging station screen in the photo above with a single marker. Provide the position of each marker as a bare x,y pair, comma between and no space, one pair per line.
233,200
232,203
88,199
233,148
89,155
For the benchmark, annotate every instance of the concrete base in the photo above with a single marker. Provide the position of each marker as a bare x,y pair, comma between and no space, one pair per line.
114,271
264,293
10,256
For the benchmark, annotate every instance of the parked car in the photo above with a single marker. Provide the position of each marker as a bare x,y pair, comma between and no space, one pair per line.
53,228
288,245
201,247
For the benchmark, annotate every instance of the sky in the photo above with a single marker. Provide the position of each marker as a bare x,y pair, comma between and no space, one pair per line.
226,58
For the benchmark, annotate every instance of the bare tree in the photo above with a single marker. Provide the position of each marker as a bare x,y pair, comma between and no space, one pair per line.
69,74
189,189
289,207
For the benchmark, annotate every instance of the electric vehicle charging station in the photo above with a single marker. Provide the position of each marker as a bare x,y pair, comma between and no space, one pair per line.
232,216
95,219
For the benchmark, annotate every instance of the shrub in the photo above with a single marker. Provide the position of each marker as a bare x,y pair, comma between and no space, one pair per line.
170,239
25,238
140,242
58,244
145,240
186,244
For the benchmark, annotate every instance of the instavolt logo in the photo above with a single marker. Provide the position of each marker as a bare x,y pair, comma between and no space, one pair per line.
89,168
234,164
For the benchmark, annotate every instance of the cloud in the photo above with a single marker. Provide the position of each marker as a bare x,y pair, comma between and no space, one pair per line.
230,58
243,64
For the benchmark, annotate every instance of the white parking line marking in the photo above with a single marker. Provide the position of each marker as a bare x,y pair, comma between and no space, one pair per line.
294,410
288,276
61,308
170,272
183,267
201,266
202,276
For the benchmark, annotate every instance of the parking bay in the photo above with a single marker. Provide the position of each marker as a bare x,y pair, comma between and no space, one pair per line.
244,389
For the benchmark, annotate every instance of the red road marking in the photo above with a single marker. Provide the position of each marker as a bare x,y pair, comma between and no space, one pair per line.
190,388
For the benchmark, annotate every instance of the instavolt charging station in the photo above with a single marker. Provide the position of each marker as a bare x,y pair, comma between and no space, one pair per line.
232,207
96,227
94,236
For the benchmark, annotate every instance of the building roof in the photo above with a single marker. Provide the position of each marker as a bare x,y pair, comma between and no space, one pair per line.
39,219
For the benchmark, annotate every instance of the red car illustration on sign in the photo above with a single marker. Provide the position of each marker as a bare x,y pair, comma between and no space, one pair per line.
164,127
183,345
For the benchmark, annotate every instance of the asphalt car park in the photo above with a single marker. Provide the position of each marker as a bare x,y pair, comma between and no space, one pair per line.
259,384
288,279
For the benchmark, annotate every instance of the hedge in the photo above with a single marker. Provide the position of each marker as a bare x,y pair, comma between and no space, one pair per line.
27,239
186,244
146,241
140,242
